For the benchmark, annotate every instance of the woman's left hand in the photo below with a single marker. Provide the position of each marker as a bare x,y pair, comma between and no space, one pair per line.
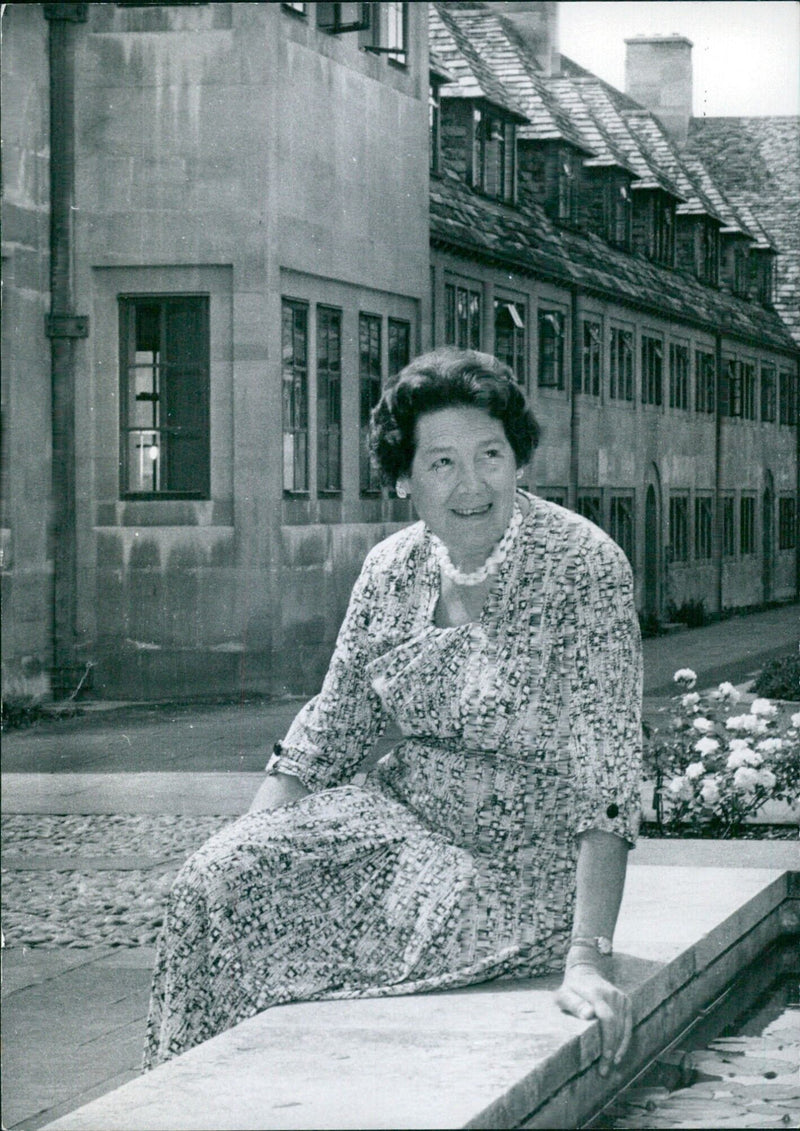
587,994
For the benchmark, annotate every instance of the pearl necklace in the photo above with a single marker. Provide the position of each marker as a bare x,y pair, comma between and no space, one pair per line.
492,563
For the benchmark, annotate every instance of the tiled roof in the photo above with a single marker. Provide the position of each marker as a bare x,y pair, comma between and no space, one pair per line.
597,96
473,78
606,151
660,148
756,161
496,39
469,224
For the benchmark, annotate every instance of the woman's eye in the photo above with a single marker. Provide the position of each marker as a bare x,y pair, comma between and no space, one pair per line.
439,464
493,453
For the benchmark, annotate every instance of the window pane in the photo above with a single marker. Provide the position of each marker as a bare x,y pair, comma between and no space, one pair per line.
621,524
591,507
679,528
509,336
329,399
294,333
165,395
551,349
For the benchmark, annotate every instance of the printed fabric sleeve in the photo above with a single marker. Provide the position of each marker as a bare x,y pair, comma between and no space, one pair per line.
603,678
331,734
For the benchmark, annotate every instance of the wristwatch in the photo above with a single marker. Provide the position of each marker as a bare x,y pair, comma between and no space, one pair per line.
600,943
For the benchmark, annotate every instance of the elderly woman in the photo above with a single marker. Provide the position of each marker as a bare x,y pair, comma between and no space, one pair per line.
500,636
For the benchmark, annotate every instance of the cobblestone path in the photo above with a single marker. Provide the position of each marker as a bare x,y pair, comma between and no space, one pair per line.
99,880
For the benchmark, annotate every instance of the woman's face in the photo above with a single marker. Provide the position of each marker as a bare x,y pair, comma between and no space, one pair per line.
463,480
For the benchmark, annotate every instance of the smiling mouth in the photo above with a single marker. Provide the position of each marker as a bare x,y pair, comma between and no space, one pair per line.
472,512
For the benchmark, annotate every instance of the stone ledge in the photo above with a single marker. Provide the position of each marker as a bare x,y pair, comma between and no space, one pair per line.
495,1055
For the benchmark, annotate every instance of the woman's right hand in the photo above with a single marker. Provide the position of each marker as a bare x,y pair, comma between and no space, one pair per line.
277,790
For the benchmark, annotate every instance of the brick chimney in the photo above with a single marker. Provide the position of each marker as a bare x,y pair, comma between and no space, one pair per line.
658,74
537,24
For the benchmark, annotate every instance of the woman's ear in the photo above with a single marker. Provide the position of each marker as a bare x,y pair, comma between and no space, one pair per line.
402,487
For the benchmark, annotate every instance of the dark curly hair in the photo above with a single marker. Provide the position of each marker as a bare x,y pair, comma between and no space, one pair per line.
447,378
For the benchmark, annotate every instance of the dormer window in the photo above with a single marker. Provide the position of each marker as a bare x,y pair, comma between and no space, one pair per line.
663,230
761,276
493,154
567,181
708,252
622,211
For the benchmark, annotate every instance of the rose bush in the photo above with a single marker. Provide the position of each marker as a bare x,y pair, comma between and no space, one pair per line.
714,764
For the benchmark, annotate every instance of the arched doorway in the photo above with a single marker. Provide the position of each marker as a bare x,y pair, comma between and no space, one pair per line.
768,538
652,579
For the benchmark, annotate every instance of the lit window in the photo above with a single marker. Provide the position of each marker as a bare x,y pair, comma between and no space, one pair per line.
165,396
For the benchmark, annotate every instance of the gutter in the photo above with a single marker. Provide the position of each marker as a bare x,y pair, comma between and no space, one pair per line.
63,327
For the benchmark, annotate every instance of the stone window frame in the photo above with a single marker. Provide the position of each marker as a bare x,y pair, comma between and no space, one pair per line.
728,519
516,358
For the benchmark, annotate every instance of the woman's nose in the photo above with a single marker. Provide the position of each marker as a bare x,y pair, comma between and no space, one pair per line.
469,478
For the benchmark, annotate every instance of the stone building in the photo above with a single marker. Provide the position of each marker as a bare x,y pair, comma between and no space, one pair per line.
225,225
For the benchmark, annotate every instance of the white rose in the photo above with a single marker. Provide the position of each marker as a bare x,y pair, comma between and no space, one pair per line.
770,745
735,722
745,779
685,675
766,778
739,743
695,770
764,708
690,699
737,758
703,725
706,745
677,786
728,691
709,791
796,719
752,758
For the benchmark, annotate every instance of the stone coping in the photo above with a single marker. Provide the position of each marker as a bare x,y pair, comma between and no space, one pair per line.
495,1055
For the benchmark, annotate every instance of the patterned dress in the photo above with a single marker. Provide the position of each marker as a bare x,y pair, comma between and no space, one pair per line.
455,861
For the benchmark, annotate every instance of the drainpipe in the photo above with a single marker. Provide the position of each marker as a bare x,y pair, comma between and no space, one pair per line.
63,327
797,483
575,368
718,469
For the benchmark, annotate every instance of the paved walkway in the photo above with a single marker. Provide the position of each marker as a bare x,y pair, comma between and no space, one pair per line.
73,1015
